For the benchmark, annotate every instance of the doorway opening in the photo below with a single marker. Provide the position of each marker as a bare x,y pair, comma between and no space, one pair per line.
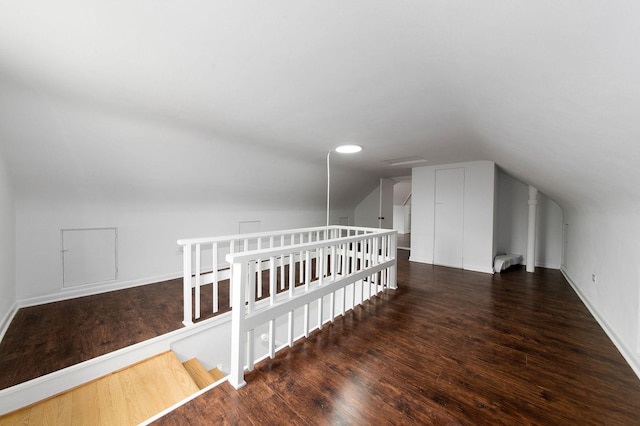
402,211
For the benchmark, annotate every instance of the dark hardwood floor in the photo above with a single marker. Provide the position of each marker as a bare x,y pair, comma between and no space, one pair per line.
46,338
404,241
447,347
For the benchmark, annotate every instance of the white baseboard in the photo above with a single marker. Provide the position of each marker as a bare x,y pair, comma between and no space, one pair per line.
547,265
627,354
89,290
475,268
420,260
6,321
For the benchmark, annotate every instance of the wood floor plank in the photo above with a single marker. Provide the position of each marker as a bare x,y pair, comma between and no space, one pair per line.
216,374
198,373
85,404
111,399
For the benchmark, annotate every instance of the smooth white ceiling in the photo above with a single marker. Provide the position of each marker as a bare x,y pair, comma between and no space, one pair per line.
245,98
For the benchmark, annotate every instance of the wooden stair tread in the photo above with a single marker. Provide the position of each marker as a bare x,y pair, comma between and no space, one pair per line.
127,396
216,374
198,373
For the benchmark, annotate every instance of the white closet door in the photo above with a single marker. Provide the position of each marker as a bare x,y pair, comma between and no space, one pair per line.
449,224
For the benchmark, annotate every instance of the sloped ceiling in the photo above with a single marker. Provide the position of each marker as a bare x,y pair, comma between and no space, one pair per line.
174,99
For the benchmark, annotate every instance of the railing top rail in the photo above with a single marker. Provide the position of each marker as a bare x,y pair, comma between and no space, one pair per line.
283,251
209,240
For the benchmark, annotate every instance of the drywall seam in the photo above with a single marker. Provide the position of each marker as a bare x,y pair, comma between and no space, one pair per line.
626,353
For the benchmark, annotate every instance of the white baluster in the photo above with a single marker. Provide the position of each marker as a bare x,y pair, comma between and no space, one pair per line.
353,296
320,260
198,278
282,264
352,258
327,262
307,280
370,255
307,269
385,256
292,274
306,320
345,260
290,330
186,283
272,339
272,280
251,287
376,260
334,259
259,264
332,306
318,269
214,255
301,258
250,350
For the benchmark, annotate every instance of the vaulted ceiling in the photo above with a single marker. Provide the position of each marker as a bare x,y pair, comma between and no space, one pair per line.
232,99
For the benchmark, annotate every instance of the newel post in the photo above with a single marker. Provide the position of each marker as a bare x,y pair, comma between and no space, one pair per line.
238,340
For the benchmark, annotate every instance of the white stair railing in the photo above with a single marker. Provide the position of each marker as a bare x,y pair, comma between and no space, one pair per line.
342,268
204,259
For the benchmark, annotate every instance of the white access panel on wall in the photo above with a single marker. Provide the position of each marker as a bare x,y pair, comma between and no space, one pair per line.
449,218
89,256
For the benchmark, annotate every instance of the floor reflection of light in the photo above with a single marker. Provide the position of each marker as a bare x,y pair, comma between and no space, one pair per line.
350,399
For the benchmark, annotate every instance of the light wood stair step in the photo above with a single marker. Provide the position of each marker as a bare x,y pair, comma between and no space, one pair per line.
200,375
217,374
127,396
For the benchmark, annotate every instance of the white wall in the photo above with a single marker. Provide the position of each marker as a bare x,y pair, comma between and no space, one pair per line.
607,244
147,248
513,216
479,193
399,219
423,215
155,179
7,247
367,211
407,219
401,191
401,212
